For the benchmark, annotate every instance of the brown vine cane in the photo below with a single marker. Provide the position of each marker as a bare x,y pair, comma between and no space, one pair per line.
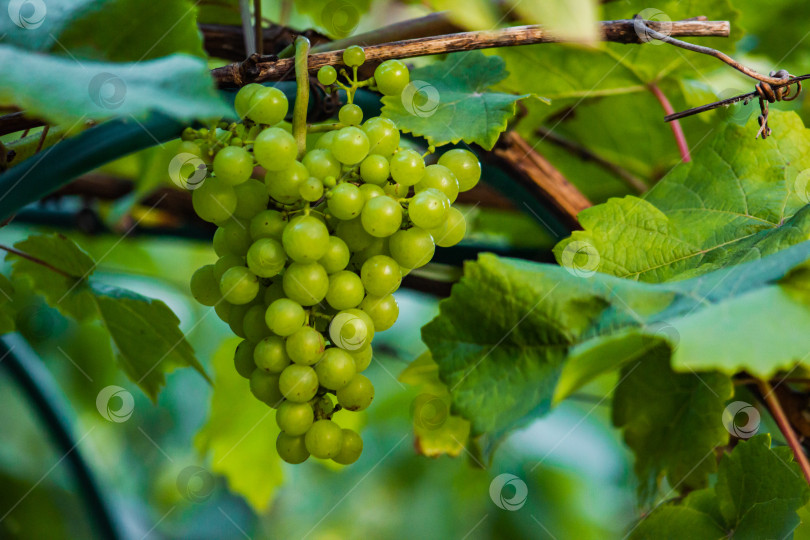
768,94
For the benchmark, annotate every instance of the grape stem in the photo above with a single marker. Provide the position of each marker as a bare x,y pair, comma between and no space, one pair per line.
319,128
778,413
302,94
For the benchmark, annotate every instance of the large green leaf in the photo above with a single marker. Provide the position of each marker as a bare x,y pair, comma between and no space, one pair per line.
739,198
178,86
240,434
145,331
671,421
448,101
757,495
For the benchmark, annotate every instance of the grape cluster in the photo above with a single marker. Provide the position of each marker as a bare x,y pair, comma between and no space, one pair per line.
309,258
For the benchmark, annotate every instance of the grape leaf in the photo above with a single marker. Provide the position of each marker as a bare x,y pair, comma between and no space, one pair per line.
740,197
86,29
757,495
569,20
436,431
338,18
235,440
145,331
447,102
6,309
179,86
671,421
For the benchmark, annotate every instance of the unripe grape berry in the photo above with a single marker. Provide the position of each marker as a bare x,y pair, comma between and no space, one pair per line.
284,186
291,449
362,358
345,201
383,136
345,290
229,260
265,386
321,163
374,169
412,248
353,233
391,77
335,369
305,239
370,191
350,145
305,346
350,114
205,287
381,216
284,316
452,230
239,285
251,198
428,208
275,149
311,190
294,418
441,178
298,383
357,395
243,96
232,237
270,355
266,257
267,224
336,257
324,439
351,448
407,167
465,167
214,201
233,165
253,324
383,310
325,141
243,359
305,283
327,75
354,56
381,275
268,106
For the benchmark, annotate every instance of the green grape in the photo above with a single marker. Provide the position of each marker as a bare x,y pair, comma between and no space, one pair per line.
305,346
243,359
452,229
381,275
233,165
267,106
351,448
266,257
298,383
236,319
351,329
242,100
396,191
362,358
223,310
324,439
350,114
381,216
275,149
441,178
306,283
329,181
335,369
383,310
285,186
205,287
353,233
251,198
345,201
253,324
267,224
374,169
428,208
271,355
370,191
284,316
323,406
232,237
311,190
465,167
357,395
391,77
294,418
239,285
354,56
336,257
214,201
412,248
383,136
229,260
265,386
273,292
321,163
350,145
407,167
305,239
291,449
378,247
325,140
345,290
327,75
189,147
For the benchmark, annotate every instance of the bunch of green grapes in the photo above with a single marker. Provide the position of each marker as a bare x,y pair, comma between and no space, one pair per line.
309,258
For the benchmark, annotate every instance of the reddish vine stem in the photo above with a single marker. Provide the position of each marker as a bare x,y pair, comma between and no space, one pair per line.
677,130
782,421
621,31
35,260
